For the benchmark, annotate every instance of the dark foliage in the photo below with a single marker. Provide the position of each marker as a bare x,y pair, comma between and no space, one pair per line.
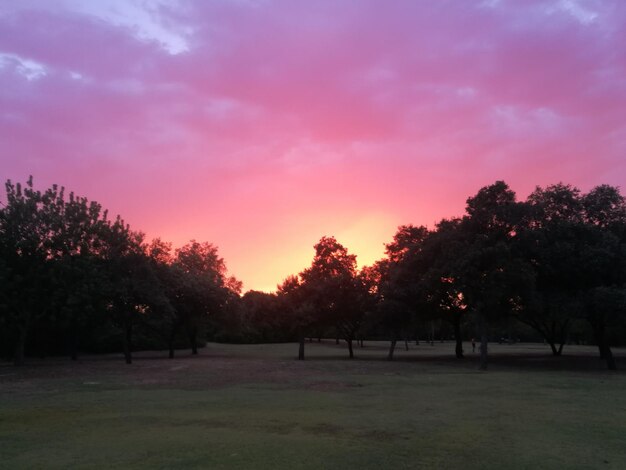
550,268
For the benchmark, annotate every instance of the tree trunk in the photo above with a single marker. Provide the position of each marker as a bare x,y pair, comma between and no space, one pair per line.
458,349
172,339
459,340
484,339
406,344
337,340
128,337
361,342
193,339
170,344
564,336
598,333
605,349
555,351
20,344
392,348
301,349
350,350
610,360
73,341
552,339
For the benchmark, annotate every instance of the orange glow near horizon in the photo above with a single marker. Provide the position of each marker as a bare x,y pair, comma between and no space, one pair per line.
289,254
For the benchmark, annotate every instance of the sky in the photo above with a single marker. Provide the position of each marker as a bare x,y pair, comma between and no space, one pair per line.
263,125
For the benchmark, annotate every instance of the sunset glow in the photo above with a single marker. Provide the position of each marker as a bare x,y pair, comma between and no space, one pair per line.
261,126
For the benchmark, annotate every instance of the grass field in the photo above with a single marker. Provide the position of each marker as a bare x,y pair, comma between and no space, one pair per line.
255,407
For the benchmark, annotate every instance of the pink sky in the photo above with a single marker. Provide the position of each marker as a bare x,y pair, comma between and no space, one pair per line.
261,126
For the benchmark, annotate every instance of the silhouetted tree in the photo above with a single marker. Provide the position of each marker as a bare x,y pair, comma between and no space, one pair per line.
573,244
67,272
48,245
25,251
487,268
605,310
293,298
265,319
334,291
133,289
204,289
441,285
401,301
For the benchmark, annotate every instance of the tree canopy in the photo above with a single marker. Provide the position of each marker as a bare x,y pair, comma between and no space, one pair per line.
551,267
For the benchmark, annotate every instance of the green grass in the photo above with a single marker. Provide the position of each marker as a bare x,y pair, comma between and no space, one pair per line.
256,407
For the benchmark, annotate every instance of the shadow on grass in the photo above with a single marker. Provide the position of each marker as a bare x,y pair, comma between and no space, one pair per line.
524,357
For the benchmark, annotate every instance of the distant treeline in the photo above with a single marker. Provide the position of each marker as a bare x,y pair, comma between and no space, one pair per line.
550,268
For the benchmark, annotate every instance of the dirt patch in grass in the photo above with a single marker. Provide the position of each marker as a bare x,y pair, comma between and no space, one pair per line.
325,429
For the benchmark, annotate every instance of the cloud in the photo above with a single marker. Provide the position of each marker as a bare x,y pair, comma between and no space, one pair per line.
29,69
578,11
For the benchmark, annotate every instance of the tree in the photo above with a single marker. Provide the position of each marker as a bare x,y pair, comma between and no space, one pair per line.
203,289
77,228
265,321
24,245
605,310
334,291
174,281
572,242
68,270
556,203
486,270
48,244
133,290
605,207
551,304
441,286
293,299
401,274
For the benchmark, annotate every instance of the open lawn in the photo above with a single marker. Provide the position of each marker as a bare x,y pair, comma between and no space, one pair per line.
255,406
